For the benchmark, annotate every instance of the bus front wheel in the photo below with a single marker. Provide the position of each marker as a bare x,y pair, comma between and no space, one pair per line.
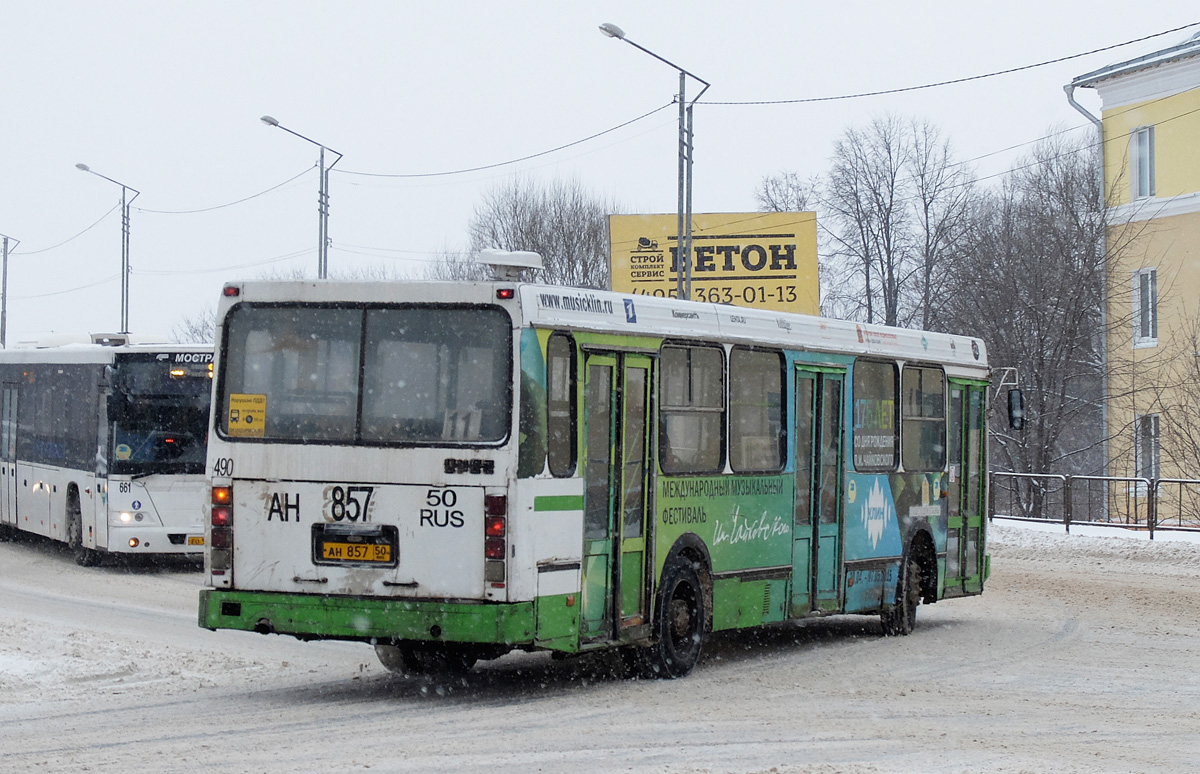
84,556
678,625
902,618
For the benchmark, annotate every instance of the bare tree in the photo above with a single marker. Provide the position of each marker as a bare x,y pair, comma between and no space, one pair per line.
1032,284
1176,399
561,220
895,201
458,266
864,194
786,192
942,195
200,328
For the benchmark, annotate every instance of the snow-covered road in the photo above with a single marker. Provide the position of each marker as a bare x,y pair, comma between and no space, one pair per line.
1081,657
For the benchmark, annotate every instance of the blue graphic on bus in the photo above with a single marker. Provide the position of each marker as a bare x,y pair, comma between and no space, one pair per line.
872,528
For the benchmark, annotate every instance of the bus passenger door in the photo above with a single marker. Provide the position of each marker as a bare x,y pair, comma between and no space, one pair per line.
8,454
817,545
632,495
965,522
973,505
954,487
599,442
616,413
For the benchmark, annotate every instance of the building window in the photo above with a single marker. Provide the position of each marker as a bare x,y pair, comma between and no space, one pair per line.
1141,154
1145,308
1146,446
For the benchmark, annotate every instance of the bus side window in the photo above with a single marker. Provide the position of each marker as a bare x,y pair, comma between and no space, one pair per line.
531,449
876,436
923,419
692,409
560,405
756,436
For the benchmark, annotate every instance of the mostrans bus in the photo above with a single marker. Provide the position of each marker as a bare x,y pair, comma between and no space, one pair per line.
103,446
450,471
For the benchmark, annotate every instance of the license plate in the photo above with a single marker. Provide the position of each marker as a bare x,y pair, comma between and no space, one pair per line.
356,552
195,540
376,545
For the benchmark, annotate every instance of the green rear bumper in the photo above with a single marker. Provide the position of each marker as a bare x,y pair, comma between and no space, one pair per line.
317,617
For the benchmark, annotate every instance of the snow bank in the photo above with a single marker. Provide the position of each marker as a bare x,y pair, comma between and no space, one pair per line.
1168,552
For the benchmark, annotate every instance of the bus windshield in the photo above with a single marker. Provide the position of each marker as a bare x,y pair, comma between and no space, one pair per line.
419,375
158,412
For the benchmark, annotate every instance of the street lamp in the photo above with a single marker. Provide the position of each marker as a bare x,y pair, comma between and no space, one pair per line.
125,202
683,237
4,291
322,197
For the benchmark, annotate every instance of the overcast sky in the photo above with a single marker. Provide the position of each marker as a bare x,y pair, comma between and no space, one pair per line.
166,98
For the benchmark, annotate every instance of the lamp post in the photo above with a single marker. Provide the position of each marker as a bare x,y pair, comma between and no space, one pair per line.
322,197
125,202
683,238
4,291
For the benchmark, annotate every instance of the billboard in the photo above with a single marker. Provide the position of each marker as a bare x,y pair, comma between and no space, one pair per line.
766,260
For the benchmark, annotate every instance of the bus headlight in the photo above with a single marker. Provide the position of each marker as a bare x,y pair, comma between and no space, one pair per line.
125,517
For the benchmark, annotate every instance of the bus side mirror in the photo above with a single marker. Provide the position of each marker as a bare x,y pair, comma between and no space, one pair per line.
1016,409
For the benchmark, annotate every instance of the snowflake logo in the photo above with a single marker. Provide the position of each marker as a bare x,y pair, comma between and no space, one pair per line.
876,514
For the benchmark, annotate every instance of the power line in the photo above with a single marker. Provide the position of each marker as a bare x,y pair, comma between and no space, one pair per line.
230,204
104,281
513,161
60,244
954,80
1089,146
216,269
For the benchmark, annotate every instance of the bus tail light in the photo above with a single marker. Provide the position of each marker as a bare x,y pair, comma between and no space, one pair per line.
495,543
221,539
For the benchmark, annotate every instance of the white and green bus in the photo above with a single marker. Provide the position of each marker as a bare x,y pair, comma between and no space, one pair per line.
102,445
450,471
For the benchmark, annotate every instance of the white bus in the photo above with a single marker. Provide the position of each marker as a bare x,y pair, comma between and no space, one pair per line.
450,471
102,445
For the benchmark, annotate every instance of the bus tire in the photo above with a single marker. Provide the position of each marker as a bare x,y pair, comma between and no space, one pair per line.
426,658
84,556
900,620
679,623
390,656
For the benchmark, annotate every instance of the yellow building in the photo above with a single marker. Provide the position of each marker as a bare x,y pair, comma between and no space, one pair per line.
1150,123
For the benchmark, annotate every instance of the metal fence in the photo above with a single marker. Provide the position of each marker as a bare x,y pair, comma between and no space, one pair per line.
1135,503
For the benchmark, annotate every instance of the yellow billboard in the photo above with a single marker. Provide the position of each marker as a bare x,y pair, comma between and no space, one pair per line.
766,260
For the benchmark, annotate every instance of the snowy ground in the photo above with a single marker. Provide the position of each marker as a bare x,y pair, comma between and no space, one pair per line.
1080,657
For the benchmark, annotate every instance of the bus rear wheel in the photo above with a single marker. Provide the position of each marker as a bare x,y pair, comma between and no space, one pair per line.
902,618
412,659
84,556
678,625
